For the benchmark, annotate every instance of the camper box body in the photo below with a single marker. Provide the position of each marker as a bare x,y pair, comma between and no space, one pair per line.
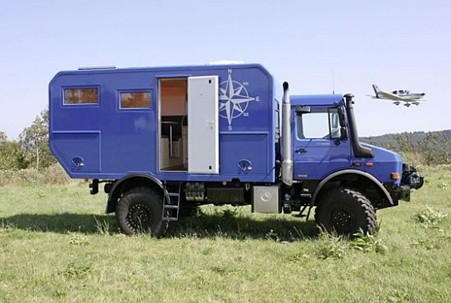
204,123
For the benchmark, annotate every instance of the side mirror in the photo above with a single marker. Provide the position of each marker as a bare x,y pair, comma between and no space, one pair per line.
343,133
302,109
342,117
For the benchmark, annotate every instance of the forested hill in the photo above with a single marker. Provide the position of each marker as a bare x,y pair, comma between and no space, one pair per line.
429,148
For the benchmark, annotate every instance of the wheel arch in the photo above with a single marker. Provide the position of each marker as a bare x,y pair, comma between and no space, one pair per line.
129,182
351,176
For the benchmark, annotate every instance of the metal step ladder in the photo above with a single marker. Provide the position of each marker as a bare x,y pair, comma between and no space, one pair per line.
171,203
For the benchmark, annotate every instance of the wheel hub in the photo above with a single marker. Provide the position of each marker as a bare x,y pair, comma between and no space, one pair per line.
341,220
139,217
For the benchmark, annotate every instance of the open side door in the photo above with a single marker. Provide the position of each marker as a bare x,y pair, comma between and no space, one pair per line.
203,125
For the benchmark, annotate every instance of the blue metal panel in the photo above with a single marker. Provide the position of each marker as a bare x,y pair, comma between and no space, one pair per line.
78,152
246,155
383,164
127,136
319,158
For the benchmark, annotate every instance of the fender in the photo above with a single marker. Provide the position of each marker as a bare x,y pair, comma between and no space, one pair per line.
127,181
355,172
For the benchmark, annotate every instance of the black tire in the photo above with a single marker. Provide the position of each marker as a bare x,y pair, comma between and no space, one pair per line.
344,212
140,211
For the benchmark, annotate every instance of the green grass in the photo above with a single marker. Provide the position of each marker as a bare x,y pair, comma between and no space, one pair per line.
57,245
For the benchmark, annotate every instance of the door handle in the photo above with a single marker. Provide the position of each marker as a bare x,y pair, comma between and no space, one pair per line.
210,123
244,165
300,151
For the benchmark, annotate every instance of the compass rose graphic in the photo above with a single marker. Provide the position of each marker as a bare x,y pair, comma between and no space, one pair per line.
233,99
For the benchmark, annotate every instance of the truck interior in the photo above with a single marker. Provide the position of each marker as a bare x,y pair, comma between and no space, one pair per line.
196,97
173,138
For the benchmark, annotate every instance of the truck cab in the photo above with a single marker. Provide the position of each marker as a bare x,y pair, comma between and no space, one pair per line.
331,165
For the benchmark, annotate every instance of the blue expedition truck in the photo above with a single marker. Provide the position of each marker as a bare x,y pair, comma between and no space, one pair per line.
164,140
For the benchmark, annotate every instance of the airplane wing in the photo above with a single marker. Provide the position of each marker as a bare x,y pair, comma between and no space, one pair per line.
390,96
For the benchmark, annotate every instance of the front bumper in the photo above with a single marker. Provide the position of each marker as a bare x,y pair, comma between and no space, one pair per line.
411,179
403,193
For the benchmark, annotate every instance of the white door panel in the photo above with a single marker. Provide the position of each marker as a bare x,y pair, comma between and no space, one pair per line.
203,134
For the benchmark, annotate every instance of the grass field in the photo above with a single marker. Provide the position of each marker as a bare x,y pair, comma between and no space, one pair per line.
57,245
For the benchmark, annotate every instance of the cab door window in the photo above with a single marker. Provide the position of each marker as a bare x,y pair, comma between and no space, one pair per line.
319,124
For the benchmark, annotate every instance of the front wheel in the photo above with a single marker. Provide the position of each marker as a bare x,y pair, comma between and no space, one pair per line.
345,212
140,211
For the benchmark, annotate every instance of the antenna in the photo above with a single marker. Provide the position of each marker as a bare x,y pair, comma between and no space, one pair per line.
333,82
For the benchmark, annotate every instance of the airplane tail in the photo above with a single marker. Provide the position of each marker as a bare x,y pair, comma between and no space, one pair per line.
376,90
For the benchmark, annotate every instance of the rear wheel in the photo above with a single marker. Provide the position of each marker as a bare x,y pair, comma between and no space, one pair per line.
345,212
140,211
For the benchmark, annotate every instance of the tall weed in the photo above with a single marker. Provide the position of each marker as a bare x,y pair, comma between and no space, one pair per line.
430,218
331,246
54,175
366,243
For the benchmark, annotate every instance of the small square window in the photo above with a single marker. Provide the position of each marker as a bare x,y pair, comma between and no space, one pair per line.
81,95
135,99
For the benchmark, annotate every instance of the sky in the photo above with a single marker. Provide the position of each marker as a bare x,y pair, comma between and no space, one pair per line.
317,46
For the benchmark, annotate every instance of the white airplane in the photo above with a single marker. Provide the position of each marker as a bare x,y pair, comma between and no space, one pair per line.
399,96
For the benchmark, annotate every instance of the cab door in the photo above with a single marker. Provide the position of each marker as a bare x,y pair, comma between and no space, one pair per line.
320,144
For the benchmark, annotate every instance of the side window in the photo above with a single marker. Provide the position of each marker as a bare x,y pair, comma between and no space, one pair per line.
133,100
320,123
88,95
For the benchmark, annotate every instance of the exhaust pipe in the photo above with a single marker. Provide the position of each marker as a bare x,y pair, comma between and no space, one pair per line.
287,163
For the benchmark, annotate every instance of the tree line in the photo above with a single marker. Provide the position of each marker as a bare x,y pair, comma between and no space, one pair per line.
427,148
31,150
